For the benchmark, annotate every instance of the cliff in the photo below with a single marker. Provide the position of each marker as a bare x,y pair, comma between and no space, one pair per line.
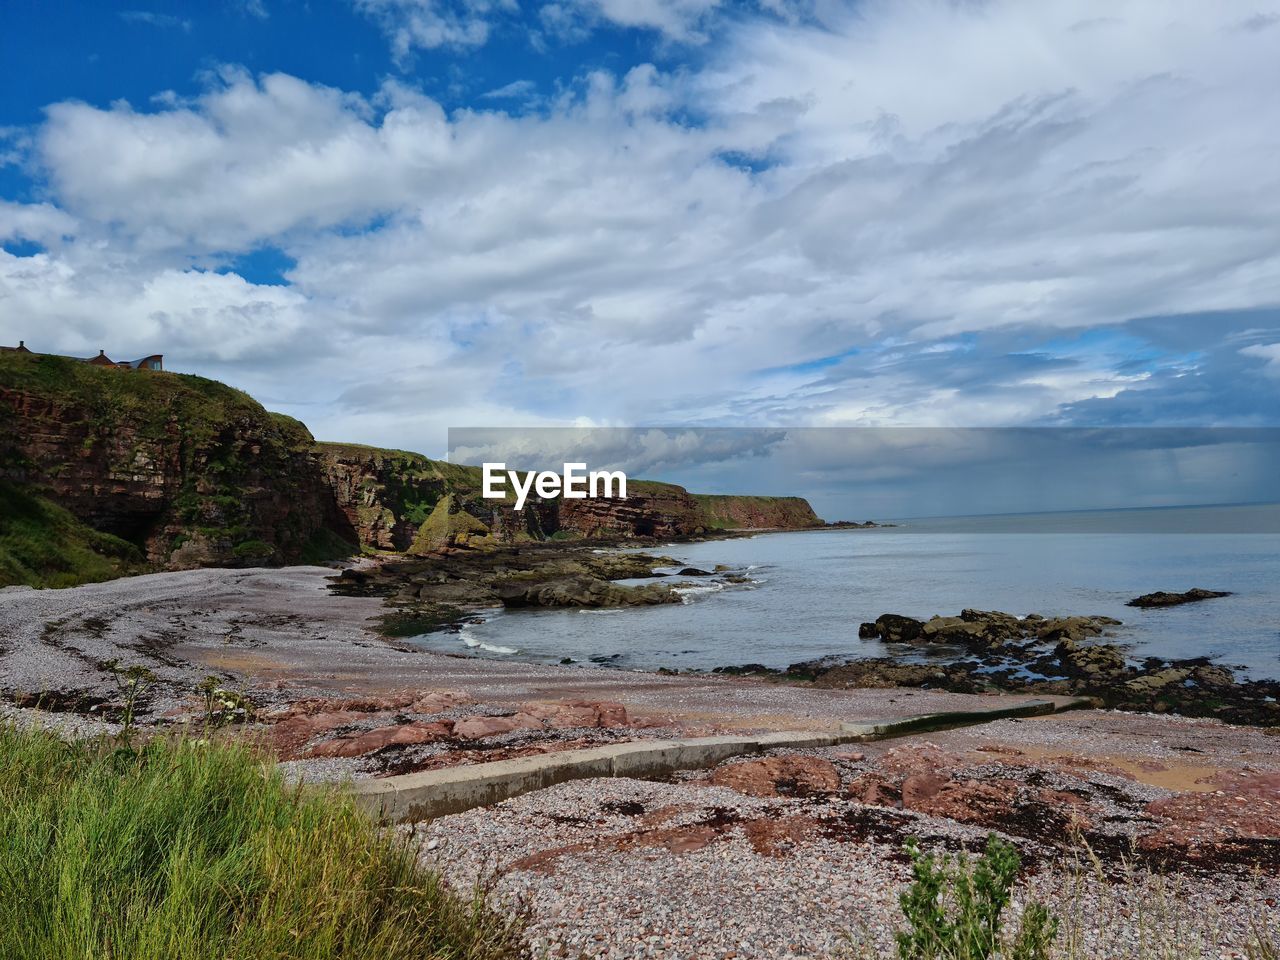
123,467
189,470
731,512
407,502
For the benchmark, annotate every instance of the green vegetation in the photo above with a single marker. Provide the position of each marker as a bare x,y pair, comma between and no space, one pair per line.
197,408
445,523
325,545
734,512
45,546
187,850
954,909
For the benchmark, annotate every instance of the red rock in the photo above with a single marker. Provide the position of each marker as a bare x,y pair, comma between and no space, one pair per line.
1249,809
372,740
438,700
477,728
578,713
291,734
775,776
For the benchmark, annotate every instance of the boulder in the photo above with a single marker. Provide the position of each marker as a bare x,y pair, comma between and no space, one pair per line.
892,628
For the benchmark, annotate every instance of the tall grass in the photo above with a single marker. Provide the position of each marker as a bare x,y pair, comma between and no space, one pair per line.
187,851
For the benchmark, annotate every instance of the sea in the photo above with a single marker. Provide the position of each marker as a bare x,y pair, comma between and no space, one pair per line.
808,591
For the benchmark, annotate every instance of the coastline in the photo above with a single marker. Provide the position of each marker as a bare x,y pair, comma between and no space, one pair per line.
606,865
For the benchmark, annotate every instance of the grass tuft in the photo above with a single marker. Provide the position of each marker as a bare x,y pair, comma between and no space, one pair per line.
185,850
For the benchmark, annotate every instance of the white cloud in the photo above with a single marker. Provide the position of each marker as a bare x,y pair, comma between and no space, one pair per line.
892,177
515,90
1269,352
430,24
163,20
680,21
42,223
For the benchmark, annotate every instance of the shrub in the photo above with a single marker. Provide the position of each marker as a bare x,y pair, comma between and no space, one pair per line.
954,908
186,850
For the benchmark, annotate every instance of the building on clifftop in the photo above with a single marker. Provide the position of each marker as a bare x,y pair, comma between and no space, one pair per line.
153,362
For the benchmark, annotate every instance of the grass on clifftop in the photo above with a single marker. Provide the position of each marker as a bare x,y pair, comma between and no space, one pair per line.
183,850
42,545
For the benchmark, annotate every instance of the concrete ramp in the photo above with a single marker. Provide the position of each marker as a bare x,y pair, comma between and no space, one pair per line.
436,793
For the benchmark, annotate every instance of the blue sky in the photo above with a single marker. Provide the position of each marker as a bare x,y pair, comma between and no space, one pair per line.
390,217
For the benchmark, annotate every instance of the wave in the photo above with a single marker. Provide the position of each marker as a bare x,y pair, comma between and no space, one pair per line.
475,643
688,593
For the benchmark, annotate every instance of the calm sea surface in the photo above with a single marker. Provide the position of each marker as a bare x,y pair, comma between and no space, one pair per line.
812,589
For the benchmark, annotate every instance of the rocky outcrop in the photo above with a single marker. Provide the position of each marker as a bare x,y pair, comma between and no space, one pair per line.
983,629
190,470
1047,655
581,592
441,589
797,776
1162,598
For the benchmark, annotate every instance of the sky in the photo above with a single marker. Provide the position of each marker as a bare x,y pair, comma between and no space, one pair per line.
393,217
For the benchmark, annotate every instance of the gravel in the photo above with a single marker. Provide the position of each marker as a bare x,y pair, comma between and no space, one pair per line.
600,883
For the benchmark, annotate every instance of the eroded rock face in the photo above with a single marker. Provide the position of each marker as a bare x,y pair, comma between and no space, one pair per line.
192,471
779,776
384,494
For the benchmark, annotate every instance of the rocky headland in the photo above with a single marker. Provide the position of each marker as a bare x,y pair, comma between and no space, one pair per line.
107,471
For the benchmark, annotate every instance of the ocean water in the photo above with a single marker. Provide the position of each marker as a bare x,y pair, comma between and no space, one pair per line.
811,590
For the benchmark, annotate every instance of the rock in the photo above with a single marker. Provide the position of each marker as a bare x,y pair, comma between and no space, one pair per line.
779,776
581,592
1164,599
892,628
973,629
578,713
377,739
1095,659
1076,629
1154,682
440,700
477,728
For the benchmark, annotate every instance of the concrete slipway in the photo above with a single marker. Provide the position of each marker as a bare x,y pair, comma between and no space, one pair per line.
436,793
